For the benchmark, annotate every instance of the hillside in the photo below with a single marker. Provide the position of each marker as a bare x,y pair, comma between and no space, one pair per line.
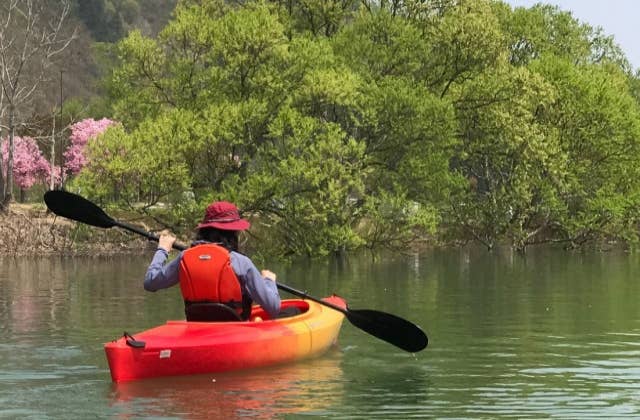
110,20
98,24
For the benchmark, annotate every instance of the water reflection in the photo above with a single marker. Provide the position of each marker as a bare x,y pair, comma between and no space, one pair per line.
551,334
563,376
36,297
385,384
307,387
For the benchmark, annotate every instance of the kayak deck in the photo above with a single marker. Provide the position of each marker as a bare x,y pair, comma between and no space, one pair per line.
186,348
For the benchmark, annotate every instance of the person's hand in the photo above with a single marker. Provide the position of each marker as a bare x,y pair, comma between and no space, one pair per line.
269,275
166,240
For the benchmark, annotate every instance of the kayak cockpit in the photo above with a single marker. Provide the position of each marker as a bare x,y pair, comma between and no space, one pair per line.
218,312
288,309
210,312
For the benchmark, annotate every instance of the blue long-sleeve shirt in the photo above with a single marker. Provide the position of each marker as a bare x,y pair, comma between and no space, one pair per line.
262,291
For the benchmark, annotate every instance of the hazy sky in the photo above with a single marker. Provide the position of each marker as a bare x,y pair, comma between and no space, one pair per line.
620,18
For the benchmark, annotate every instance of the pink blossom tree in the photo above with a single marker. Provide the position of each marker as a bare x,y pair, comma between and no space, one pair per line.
29,166
81,132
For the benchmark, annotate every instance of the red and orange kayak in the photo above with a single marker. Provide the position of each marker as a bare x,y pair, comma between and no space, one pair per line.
187,348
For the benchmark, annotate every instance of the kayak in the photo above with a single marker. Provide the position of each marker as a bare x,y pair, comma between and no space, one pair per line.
188,348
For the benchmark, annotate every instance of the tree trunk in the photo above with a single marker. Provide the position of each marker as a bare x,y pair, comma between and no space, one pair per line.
2,186
53,153
8,193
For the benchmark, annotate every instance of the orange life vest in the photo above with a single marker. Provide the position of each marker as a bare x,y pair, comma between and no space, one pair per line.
206,275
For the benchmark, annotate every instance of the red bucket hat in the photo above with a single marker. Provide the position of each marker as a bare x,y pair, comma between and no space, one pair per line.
223,215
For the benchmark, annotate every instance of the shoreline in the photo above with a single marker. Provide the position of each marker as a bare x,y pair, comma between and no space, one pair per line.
30,231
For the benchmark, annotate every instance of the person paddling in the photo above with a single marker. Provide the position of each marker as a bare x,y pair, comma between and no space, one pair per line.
215,279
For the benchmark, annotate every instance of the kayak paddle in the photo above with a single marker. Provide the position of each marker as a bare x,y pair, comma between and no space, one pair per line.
390,328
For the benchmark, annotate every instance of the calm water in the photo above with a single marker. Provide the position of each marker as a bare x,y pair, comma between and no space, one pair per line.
552,334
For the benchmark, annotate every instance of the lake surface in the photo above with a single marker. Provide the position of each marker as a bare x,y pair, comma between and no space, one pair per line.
552,334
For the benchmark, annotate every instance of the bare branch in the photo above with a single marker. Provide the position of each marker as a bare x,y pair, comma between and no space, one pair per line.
30,39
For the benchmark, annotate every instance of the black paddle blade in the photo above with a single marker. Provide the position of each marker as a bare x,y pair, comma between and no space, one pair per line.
390,328
76,208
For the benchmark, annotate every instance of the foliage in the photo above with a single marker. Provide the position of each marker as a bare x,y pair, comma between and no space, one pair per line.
122,165
81,133
29,165
306,186
342,124
317,17
599,123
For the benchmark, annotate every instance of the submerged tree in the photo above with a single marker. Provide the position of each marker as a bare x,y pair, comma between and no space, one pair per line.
350,124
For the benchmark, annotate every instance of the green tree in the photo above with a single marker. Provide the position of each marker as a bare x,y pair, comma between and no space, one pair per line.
138,167
510,159
280,124
546,30
597,120
306,184
409,132
317,17
339,128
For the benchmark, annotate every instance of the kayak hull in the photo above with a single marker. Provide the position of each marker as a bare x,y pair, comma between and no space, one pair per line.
187,348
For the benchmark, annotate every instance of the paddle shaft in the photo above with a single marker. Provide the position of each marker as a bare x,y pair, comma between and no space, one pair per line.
304,295
144,233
